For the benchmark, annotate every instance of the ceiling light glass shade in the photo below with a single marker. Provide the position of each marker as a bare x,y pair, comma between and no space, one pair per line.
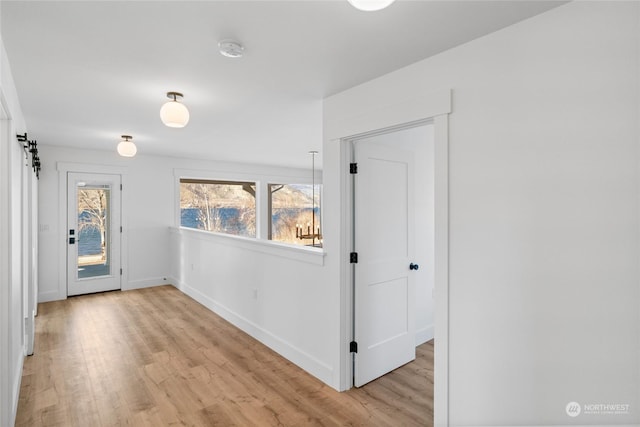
126,148
370,5
174,114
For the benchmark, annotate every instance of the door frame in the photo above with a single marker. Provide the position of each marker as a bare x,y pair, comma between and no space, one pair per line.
98,283
365,117
8,399
63,169
17,183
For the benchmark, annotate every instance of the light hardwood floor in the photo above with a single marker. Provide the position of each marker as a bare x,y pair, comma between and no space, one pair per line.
155,357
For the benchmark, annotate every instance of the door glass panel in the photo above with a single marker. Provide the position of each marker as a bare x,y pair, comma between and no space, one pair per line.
94,246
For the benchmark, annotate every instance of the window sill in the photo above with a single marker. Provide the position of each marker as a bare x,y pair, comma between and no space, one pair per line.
303,254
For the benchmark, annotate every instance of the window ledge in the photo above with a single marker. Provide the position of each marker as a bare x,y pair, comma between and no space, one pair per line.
298,253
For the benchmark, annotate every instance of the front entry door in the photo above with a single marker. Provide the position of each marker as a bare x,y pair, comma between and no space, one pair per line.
93,233
384,284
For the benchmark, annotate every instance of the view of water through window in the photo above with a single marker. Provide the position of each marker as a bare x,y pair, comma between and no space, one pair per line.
295,214
219,206
230,207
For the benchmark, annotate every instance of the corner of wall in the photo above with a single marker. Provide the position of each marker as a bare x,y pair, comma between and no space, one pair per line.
424,335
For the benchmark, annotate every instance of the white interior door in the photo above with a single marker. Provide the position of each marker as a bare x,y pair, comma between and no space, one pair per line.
94,233
384,284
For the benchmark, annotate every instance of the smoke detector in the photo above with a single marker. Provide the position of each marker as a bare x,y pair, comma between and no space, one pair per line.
231,48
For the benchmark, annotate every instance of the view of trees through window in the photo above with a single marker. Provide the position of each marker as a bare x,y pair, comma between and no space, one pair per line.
219,206
230,207
92,225
295,214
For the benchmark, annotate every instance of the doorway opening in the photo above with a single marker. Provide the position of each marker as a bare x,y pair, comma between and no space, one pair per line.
393,226
362,114
94,233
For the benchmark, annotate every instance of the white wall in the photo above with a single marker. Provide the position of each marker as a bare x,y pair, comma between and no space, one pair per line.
148,212
419,141
149,208
277,296
13,284
543,173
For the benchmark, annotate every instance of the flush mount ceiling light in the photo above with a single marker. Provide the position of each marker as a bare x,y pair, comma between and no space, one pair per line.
231,48
173,113
126,148
370,5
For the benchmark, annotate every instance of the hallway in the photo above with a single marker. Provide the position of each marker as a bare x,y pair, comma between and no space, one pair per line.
154,357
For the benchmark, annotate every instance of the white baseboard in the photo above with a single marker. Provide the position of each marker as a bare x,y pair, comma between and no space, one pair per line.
50,296
315,367
424,334
126,286
174,282
145,283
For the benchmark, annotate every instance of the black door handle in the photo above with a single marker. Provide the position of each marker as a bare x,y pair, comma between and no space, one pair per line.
72,240
413,266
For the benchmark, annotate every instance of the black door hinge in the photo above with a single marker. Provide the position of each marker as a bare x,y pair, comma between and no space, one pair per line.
353,168
120,187
121,229
121,272
353,257
353,347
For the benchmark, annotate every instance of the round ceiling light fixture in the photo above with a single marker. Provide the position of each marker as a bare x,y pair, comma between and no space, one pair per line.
231,48
370,5
173,113
126,148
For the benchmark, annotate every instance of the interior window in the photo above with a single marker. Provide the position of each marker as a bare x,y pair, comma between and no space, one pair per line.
295,214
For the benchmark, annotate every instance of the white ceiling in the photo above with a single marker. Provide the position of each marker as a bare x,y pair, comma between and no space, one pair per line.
90,71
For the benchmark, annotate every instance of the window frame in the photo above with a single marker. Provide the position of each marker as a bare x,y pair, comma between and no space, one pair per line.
260,243
270,211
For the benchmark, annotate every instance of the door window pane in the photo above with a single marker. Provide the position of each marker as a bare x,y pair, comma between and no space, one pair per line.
94,246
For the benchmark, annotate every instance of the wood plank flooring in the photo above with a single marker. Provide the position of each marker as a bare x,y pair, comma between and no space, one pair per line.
155,357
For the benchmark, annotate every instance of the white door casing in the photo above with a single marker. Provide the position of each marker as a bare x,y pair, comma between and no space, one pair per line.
6,398
362,113
384,241
96,275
